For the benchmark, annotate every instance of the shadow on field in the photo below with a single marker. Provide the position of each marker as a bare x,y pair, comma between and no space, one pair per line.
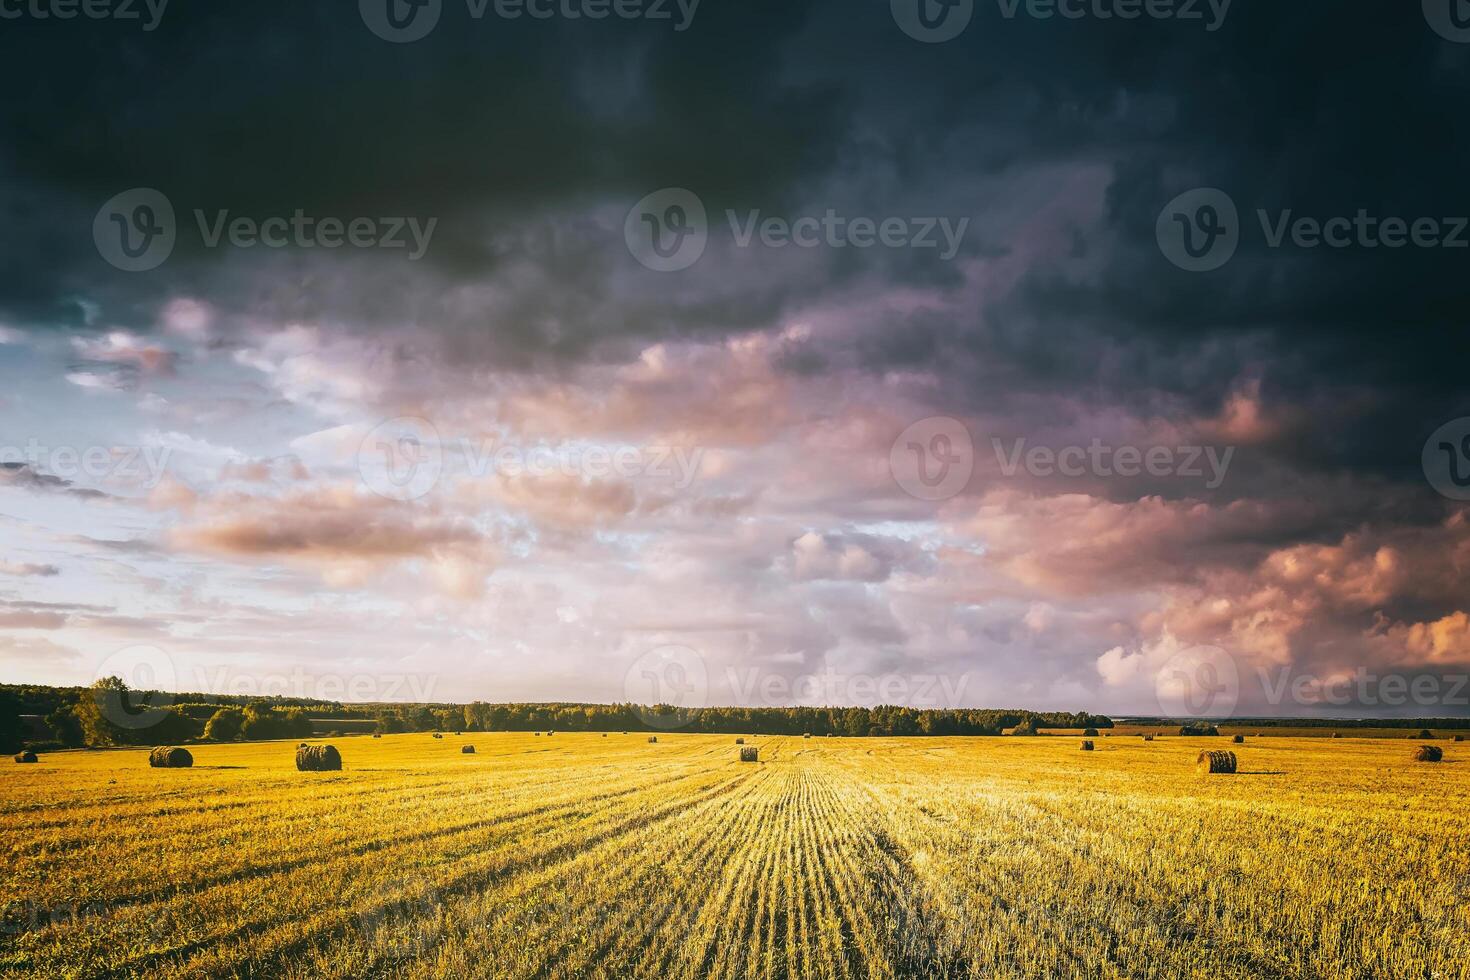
1261,772
217,767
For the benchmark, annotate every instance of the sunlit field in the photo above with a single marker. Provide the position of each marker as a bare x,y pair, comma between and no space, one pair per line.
590,856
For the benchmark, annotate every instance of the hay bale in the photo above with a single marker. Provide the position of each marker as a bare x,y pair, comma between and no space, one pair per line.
1425,734
549,734
1429,753
1238,739
1090,733
652,739
806,734
1148,738
740,741
750,754
376,735
1337,734
318,758
1459,738
26,757
468,750
1086,746
604,734
437,735
170,757
1212,761
538,734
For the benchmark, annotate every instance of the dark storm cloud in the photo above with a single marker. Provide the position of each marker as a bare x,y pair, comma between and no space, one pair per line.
505,129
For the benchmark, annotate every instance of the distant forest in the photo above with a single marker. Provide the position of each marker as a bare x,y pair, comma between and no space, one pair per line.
109,714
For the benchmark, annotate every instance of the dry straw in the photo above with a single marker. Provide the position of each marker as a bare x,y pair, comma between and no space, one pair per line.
750,754
318,758
170,757
1428,753
1211,761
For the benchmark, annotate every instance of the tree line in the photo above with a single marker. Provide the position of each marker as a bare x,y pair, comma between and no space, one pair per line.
108,713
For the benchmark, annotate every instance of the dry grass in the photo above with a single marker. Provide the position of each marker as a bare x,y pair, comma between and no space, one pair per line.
841,858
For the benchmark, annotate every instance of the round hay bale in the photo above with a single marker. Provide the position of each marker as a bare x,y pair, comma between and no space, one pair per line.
437,735
1459,738
740,741
1148,738
1090,733
1212,761
1238,739
1087,746
806,734
468,750
1425,734
750,754
1429,753
376,735
318,758
27,757
604,734
652,739
549,734
170,757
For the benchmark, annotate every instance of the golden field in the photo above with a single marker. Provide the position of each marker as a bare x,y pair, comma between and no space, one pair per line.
583,856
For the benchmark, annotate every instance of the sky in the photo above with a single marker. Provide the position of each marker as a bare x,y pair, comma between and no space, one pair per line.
985,354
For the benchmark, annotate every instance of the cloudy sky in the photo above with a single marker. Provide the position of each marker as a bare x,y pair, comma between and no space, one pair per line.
724,346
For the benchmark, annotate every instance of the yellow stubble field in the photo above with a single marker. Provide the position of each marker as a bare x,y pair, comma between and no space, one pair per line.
578,855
